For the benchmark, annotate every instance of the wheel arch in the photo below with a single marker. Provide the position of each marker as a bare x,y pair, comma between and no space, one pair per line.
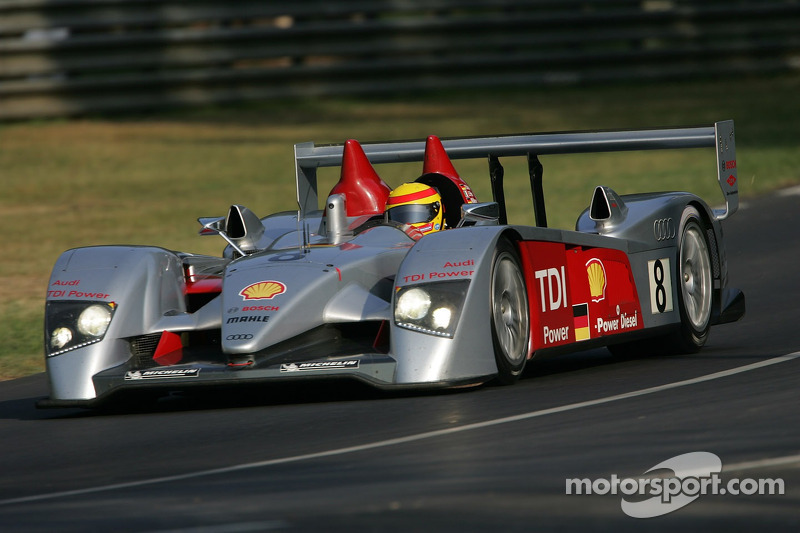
714,239
469,354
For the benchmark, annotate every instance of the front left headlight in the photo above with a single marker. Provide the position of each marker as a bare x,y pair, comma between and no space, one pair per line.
432,308
71,325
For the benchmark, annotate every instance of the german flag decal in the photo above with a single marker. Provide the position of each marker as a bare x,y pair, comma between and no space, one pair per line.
580,313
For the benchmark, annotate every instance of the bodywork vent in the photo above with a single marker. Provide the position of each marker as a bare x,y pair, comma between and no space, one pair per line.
142,348
712,241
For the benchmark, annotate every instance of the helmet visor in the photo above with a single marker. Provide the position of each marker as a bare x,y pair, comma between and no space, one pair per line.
413,213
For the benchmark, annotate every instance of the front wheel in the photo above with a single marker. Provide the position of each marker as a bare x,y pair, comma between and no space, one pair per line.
509,313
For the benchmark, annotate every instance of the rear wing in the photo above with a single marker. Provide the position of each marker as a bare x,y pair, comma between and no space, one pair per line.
309,157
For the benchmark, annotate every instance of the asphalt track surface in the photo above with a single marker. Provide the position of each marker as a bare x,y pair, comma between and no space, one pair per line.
490,459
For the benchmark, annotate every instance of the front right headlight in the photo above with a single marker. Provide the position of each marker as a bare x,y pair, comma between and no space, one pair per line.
432,308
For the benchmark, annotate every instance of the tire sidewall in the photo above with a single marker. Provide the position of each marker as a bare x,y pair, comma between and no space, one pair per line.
690,338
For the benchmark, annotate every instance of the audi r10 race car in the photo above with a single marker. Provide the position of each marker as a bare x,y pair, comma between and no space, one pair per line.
344,291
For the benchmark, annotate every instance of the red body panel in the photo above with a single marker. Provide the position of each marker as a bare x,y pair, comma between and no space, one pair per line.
577,293
436,161
169,350
365,192
203,285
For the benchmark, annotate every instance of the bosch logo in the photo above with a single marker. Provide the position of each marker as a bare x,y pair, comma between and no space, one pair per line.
241,337
664,229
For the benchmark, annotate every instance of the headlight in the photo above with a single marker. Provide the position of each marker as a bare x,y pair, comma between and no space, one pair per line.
441,316
413,304
94,320
70,325
432,308
60,338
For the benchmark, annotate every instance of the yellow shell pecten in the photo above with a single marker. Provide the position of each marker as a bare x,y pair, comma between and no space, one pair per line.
263,290
597,279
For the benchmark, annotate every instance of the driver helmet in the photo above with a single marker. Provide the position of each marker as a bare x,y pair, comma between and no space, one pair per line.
417,205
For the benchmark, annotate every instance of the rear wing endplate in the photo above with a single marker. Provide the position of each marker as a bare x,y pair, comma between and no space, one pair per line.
726,168
309,157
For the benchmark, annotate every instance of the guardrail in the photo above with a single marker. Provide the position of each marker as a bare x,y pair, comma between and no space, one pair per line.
68,57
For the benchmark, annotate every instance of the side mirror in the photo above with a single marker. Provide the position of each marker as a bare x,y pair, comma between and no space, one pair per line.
212,225
483,214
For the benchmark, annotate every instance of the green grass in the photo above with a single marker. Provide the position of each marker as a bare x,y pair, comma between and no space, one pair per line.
145,179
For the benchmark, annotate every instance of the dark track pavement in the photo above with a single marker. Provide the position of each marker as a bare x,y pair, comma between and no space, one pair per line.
336,467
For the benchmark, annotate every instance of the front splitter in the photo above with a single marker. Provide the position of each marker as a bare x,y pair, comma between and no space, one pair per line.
377,370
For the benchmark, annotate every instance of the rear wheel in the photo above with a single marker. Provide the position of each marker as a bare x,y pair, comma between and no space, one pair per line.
695,283
694,279
509,313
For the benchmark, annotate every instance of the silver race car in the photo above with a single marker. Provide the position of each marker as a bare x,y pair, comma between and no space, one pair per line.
364,290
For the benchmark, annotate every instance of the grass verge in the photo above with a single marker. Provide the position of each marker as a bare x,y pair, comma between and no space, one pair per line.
145,179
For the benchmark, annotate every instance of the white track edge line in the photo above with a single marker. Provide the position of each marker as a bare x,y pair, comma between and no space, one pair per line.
762,463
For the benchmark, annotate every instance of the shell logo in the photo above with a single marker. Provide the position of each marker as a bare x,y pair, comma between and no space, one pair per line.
262,290
596,273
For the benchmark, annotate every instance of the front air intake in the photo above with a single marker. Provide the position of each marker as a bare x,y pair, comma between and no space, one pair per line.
142,348
244,228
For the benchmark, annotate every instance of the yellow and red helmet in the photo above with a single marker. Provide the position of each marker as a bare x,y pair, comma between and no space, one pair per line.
417,205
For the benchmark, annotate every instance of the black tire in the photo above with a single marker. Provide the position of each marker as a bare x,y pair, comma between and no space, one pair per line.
695,279
509,316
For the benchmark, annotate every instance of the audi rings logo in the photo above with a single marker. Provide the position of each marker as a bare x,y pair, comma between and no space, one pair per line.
241,337
664,229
